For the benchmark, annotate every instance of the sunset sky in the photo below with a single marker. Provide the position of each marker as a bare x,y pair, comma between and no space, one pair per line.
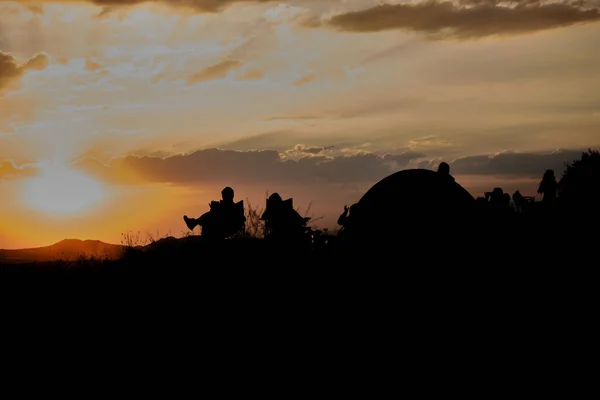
120,116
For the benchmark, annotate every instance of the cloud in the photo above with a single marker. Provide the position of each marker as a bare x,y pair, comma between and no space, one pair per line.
428,142
3,38
223,166
510,164
469,18
8,170
38,62
216,71
368,107
300,151
311,165
252,75
304,80
291,118
209,6
282,141
10,70
91,65
61,60
269,140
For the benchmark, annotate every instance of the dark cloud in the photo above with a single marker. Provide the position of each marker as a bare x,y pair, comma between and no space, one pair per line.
469,18
221,166
510,164
314,165
304,165
10,70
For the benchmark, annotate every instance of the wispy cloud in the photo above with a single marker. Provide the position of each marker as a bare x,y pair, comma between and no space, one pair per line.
294,118
198,5
216,71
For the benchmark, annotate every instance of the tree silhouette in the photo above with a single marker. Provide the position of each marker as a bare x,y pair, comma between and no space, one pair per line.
579,188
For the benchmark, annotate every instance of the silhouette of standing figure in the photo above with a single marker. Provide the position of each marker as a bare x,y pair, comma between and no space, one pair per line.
548,187
506,200
225,218
518,199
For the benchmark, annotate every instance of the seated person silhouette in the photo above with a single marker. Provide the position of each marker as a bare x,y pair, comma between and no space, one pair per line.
496,197
225,218
281,220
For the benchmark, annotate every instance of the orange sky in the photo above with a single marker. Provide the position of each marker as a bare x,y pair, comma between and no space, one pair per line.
108,114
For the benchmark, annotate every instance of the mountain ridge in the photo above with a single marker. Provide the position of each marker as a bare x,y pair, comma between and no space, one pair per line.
66,249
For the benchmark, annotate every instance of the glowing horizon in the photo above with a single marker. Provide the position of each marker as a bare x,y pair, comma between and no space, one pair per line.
61,190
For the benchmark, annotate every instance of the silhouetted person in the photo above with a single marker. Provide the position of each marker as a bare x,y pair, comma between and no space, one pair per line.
506,200
444,169
498,205
519,201
225,218
282,221
346,217
496,197
548,187
346,221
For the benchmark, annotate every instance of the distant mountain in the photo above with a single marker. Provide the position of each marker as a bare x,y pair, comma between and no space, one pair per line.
67,250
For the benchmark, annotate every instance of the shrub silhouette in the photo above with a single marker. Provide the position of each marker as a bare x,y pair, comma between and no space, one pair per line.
255,227
579,187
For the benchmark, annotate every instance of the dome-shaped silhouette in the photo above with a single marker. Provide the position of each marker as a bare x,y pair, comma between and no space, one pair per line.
412,200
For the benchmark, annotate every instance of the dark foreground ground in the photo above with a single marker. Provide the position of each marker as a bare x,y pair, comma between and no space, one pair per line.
468,261
423,304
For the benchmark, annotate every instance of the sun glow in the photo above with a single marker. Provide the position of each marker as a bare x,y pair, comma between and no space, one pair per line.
61,190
